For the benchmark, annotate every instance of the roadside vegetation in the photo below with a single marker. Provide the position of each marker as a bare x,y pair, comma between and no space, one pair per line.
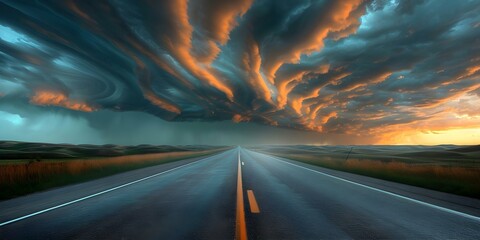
22,176
447,168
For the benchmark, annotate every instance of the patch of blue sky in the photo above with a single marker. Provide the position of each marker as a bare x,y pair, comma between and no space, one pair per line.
375,18
63,62
464,27
11,36
12,118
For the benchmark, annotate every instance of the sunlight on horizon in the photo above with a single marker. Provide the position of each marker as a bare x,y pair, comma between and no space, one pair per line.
466,136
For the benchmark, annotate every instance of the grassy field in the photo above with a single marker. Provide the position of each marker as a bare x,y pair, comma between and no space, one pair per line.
447,168
20,176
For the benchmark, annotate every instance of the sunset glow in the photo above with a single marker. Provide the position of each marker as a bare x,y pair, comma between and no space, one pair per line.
325,72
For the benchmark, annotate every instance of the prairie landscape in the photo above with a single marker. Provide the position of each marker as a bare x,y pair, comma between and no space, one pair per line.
244,119
447,168
29,167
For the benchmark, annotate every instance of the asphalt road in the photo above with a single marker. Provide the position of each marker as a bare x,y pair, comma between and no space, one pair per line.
239,194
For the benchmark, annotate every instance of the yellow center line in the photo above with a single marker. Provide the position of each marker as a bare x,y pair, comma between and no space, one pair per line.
241,226
253,203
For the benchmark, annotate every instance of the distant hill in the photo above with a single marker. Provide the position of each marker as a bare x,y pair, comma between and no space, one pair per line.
37,151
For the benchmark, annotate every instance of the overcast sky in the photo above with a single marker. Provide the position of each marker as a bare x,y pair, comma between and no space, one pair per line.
240,71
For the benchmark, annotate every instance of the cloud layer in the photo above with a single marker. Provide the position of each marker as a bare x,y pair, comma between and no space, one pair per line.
352,67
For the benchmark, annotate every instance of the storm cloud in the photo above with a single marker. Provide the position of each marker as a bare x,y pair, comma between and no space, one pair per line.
346,68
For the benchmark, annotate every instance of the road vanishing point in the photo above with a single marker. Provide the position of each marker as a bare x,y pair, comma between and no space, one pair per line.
239,194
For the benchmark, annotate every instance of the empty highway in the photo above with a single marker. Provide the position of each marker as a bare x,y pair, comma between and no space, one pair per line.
238,194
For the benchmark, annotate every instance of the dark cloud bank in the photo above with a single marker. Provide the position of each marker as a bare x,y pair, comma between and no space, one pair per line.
189,71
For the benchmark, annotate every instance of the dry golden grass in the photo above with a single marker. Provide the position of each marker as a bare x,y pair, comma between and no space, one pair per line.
462,180
442,172
17,179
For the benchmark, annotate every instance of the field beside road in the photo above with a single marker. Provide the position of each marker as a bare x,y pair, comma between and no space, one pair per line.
238,193
31,167
446,168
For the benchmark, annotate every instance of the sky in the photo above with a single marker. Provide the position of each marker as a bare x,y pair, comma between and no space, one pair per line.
240,72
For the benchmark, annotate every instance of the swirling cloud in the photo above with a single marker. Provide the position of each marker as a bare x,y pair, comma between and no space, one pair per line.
354,67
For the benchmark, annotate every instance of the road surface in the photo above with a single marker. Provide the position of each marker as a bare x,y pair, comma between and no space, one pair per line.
239,194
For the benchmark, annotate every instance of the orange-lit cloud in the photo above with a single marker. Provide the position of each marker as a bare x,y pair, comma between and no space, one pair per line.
239,118
156,100
290,80
51,98
356,68
216,19
251,63
470,71
336,20
178,41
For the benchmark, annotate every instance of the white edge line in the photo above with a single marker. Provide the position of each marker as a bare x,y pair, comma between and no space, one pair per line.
95,194
386,192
